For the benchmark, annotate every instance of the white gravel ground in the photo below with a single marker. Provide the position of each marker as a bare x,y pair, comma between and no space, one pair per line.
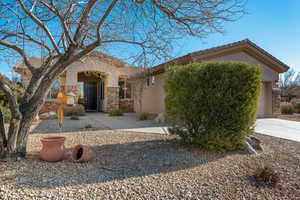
129,165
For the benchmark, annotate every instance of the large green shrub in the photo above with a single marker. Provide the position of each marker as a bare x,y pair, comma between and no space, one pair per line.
213,105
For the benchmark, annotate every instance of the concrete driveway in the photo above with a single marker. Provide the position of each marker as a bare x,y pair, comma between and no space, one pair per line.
279,128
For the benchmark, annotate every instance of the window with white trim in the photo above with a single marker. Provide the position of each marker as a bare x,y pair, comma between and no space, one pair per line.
125,89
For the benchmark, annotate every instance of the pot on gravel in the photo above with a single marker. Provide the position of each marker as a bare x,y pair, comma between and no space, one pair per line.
53,149
81,153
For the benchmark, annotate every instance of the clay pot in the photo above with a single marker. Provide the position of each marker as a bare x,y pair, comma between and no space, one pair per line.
81,153
53,149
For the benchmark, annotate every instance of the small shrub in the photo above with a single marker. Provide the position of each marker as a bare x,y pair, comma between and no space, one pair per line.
115,112
143,116
74,118
296,105
6,114
287,108
213,105
267,175
88,126
76,110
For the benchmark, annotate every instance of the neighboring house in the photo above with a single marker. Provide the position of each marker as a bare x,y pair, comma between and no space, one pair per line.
102,82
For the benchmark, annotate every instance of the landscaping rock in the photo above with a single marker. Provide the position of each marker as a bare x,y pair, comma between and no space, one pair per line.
129,165
255,143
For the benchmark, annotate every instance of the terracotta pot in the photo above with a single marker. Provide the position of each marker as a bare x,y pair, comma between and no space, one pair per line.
53,149
81,153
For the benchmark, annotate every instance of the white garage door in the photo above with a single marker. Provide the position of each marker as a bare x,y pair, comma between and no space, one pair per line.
261,106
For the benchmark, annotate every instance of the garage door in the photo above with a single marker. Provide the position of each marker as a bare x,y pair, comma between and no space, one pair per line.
261,106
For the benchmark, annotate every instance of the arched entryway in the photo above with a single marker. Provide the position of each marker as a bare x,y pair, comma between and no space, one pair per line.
91,90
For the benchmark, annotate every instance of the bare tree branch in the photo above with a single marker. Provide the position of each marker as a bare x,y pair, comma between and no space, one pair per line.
21,52
84,20
40,24
66,29
106,14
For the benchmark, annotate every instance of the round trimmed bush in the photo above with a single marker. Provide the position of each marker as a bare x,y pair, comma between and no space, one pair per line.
213,105
287,108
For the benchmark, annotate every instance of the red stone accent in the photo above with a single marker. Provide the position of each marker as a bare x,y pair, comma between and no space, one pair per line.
276,101
126,105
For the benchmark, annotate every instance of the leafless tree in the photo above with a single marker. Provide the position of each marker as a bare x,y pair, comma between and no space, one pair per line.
64,31
289,83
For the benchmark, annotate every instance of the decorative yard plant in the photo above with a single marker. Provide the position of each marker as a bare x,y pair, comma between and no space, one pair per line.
287,108
213,105
64,32
115,113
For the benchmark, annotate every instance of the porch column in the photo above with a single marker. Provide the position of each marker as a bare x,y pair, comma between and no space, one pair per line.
276,102
112,93
71,82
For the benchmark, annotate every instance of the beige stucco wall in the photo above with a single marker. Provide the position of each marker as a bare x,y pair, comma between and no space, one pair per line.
269,74
153,96
110,71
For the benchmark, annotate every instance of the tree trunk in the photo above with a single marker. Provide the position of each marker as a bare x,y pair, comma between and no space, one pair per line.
29,114
23,136
3,141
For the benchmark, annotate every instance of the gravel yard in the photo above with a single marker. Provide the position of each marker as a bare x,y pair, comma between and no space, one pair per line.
131,165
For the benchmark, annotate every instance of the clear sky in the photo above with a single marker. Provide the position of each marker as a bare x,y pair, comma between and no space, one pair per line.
274,25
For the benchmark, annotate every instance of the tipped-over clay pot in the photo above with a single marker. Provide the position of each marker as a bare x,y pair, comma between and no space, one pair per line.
81,153
53,149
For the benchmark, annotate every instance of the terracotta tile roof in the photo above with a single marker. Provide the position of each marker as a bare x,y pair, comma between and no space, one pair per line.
216,51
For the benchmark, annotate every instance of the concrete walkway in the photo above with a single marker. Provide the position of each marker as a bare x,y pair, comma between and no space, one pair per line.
100,121
129,122
279,128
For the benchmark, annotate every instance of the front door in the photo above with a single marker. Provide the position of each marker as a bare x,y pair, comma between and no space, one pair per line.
90,91
100,95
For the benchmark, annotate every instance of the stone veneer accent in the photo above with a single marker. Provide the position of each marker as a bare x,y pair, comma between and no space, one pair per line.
126,105
112,98
276,102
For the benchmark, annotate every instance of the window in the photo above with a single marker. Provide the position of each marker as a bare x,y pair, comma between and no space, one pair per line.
150,81
153,80
80,86
55,88
125,90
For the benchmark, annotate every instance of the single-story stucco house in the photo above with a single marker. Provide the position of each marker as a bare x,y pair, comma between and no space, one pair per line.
103,83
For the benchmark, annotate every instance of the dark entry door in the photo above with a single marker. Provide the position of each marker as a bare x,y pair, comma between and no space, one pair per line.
90,91
100,95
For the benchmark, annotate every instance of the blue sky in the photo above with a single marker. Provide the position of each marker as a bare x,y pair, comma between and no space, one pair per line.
273,25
